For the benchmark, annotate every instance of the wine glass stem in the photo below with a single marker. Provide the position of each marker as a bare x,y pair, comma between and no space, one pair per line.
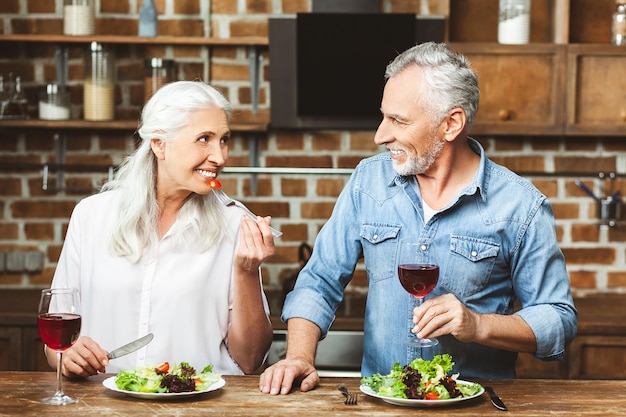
59,392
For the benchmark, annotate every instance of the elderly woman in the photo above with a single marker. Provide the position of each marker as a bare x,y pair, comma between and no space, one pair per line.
156,252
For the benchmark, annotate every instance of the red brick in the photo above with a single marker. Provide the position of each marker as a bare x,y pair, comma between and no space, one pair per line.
549,188
616,279
186,7
326,141
364,141
248,28
289,140
258,6
314,210
293,187
38,6
39,231
296,6
294,232
582,279
521,163
11,186
585,233
565,210
223,7
327,187
9,231
35,209
593,165
10,6
585,256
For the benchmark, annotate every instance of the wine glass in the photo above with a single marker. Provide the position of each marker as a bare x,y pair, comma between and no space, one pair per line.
59,323
419,279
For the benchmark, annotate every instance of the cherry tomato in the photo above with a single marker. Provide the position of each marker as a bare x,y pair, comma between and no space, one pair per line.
431,396
163,368
213,183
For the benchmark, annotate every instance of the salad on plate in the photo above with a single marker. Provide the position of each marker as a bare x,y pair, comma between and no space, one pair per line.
179,378
422,380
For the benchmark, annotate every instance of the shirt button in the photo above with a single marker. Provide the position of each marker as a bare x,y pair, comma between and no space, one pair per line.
474,253
375,237
423,247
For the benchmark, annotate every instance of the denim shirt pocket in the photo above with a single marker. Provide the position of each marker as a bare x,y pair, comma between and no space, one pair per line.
469,266
380,242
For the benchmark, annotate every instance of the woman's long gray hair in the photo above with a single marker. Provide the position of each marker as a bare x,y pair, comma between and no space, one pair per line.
163,116
450,80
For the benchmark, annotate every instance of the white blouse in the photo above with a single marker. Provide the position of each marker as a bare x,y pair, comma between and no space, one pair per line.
184,298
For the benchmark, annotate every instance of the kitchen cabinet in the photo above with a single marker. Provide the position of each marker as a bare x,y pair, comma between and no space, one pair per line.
521,87
596,90
569,80
21,347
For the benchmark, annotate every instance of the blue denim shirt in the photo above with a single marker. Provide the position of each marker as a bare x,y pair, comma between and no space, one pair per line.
495,244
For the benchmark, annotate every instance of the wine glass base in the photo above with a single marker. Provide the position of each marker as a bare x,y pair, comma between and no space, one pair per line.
421,343
59,400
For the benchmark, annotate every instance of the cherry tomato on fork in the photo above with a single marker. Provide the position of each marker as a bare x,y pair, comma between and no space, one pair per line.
213,183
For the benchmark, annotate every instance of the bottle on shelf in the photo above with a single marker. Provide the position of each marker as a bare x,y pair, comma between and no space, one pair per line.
54,102
148,25
514,21
99,87
14,102
79,17
618,28
158,72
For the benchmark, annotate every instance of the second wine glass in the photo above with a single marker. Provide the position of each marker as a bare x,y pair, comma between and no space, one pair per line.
418,279
59,324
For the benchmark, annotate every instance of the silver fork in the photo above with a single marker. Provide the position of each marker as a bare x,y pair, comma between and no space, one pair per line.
227,201
351,399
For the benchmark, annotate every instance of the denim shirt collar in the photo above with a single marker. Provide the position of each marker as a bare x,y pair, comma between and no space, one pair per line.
479,182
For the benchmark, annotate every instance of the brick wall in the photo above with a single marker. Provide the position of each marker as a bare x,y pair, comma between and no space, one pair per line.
33,221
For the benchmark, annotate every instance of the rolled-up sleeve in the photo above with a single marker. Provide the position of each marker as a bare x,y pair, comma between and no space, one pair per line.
543,288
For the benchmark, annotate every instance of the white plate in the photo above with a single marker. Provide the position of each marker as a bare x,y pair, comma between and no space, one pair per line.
110,384
421,403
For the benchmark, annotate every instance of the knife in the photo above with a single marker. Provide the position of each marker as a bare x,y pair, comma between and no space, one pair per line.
495,400
131,347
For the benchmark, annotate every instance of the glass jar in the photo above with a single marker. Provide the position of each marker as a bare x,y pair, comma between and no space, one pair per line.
79,17
54,102
158,72
618,27
99,87
514,21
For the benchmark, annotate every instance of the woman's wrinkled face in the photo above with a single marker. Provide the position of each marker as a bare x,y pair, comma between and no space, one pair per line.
406,130
197,154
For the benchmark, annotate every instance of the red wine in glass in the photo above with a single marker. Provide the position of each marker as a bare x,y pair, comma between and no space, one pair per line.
59,324
59,331
418,279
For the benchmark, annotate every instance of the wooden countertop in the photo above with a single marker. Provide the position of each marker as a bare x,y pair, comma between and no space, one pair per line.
21,392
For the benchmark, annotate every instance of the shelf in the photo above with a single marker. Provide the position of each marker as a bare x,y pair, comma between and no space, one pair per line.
107,125
158,40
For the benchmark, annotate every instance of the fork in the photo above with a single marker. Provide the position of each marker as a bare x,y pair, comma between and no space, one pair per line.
351,399
227,201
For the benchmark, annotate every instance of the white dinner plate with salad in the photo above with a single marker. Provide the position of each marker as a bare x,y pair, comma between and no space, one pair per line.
406,402
110,384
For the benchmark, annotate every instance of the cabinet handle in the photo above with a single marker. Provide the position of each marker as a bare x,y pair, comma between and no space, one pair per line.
504,114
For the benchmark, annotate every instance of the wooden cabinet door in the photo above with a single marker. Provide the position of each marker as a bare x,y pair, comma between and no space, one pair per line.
10,348
596,90
521,87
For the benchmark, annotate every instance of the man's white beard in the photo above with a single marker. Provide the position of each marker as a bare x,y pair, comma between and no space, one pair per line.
416,164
